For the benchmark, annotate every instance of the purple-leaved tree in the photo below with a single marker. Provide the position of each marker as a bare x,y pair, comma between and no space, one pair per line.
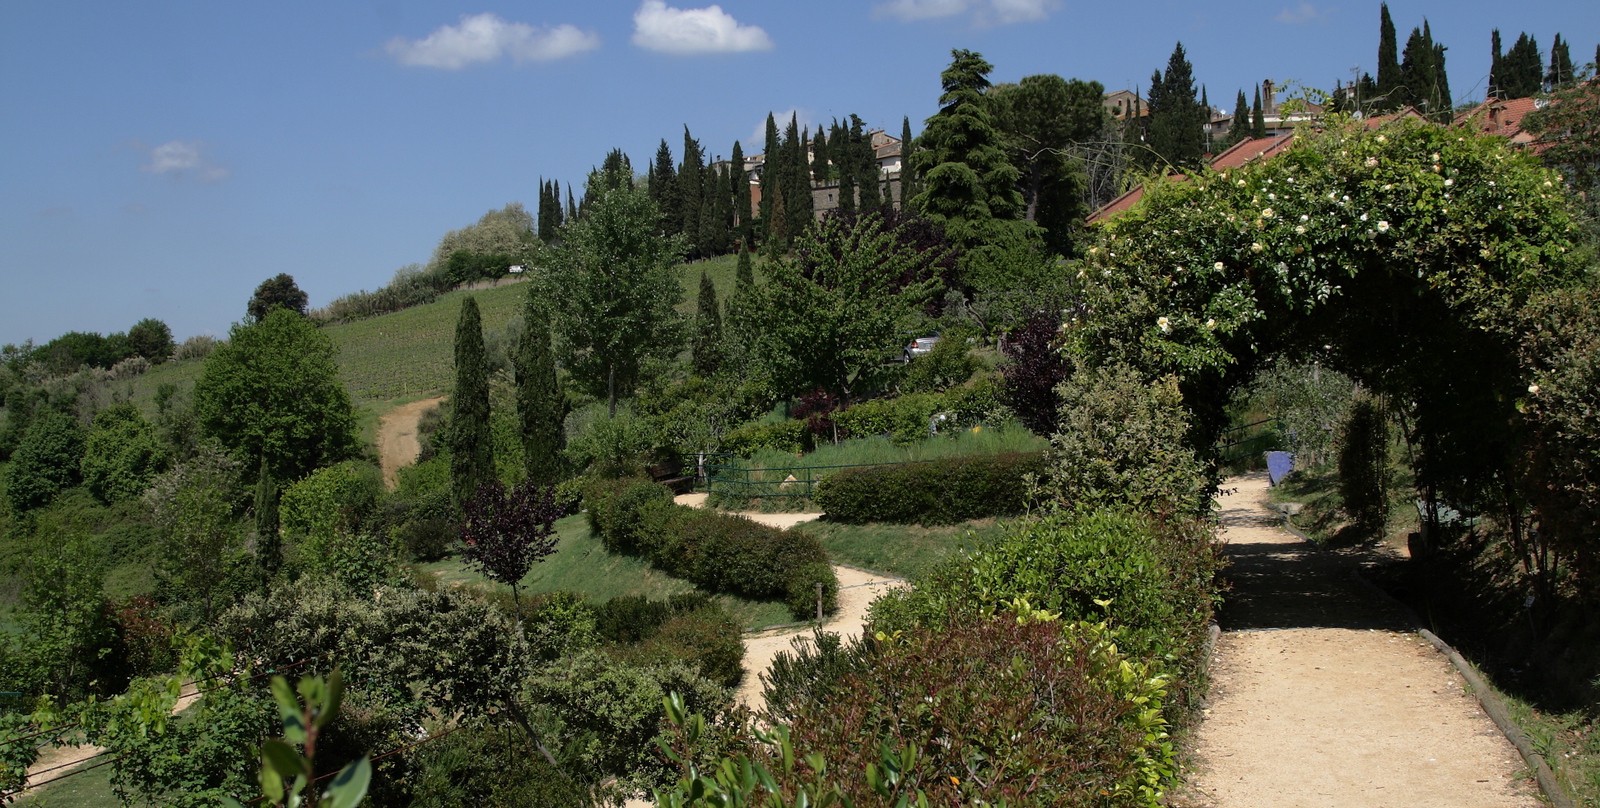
506,533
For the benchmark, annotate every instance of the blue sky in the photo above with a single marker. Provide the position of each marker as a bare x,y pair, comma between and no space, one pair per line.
161,159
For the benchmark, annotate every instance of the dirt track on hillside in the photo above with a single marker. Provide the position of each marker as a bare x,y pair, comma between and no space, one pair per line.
1323,695
398,443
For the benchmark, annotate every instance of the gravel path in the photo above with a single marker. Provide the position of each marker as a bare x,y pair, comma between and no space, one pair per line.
398,445
1322,695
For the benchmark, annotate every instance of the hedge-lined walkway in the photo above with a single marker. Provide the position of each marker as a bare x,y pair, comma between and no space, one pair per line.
1323,696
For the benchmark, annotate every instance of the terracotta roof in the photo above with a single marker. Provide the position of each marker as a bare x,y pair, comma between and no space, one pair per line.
1241,153
1501,117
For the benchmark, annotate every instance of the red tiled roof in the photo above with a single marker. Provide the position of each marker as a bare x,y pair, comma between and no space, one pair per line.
1501,117
1241,153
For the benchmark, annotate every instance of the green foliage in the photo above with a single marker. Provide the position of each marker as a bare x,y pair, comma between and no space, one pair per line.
936,492
151,339
614,292
847,303
1121,442
286,772
609,716
787,436
488,767
202,545
618,444
1562,411
707,344
1308,401
613,507
273,393
471,458
1364,467
67,648
911,418
330,502
46,461
1154,581
689,629
949,363
122,454
1177,120
541,407
277,292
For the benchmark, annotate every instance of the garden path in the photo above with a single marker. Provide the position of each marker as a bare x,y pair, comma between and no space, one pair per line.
1322,694
398,445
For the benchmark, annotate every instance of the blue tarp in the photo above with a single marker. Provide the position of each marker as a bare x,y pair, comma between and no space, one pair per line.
1279,464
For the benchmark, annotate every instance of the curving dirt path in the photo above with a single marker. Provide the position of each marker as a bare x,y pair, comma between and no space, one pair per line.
58,762
1323,695
398,445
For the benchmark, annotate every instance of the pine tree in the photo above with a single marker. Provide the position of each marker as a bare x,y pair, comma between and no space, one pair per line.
968,183
691,191
1177,129
471,459
744,277
1420,75
1388,63
1258,118
819,156
664,189
1561,73
908,146
706,350
540,406
1523,69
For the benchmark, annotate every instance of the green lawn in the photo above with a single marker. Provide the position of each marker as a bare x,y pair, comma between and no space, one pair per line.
906,551
80,787
723,271
580,564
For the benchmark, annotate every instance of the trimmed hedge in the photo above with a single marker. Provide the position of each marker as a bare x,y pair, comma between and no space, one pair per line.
935,492
783,436
717,551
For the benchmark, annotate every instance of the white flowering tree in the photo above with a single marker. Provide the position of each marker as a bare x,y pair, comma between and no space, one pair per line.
1413,258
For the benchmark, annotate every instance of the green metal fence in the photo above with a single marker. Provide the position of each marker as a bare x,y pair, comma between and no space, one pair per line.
1244,447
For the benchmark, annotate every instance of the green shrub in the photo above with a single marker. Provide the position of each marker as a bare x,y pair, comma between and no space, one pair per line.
904,419
46,461
933,492
810,672
613,507
630,618
1364,468
331,500
122,454
790,437
488,766
705,638
1153,580
949,363
717,551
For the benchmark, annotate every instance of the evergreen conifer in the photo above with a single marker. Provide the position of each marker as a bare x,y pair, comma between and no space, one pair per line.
471,458
1258,118
540,406
1560,74
706,350
1240,128
1388,63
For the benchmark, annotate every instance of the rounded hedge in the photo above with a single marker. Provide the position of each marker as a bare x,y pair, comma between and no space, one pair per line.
935,492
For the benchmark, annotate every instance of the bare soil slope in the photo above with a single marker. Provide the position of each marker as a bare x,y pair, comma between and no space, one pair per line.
1322,695
398,445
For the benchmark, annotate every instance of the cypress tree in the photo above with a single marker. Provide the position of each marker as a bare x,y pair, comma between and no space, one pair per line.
664,189
1388,62
1522,71
540,405
819,156
1240,128
471,458
1561,73
745,275
908,178
706,351
1258,119
866,166
572,204
739,185
1496,80
691,191
771,158
1441,79
715,210
556,217
269,545
797,179
1418,76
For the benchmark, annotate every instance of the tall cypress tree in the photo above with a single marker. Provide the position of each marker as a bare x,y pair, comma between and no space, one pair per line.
542,222
1496,80
744,277
556,217
1388,62
540,406
269,546
471,458
691,191
1522,69
664,189
739,186
1240,128
771,159
865,165
706,350
819,156
797,180
1258,119
572,204
908,146
1560,74
1419,74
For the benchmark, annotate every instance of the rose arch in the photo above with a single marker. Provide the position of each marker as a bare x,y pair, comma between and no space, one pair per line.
1442,269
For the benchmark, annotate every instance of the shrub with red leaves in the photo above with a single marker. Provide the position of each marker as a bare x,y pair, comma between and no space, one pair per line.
1033,370
506,533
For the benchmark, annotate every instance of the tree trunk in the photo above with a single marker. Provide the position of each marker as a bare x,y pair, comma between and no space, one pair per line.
611,389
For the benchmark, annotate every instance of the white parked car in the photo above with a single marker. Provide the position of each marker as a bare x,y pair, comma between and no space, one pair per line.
919,347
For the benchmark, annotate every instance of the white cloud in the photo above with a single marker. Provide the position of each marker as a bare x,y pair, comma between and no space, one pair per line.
686,31
487,38
984,12
1300,15
183,158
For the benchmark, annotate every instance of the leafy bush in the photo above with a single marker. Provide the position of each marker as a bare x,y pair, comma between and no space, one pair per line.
613,507
719,552
1153,580
784,436
911,418
1122,441
704,637
1364,468
934,492
45,462
198,346
605,445
488,766
1034,368
122,454
331,500
810,672
949,363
